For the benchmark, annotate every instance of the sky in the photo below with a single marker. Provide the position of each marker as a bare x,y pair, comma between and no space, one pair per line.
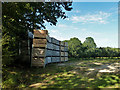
98,20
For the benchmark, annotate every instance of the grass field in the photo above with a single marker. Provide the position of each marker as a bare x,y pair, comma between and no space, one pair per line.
72,74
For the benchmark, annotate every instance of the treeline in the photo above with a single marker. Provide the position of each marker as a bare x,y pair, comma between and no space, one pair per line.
89,49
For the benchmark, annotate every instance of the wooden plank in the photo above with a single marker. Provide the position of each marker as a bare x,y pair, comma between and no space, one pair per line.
39,41
54,46
57,42
57,47
57,59
53,40
48,59
49,45
43,31
37,34
39,45
55,53
53,59
38,52
49,52
48,38
38,61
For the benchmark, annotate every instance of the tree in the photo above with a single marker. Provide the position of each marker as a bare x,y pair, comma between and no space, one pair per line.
89,43
74,47
18,17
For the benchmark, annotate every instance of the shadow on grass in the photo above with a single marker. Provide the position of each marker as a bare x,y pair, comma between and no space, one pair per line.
56,77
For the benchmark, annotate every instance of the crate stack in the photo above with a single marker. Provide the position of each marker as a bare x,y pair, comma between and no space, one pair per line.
48,49
39,48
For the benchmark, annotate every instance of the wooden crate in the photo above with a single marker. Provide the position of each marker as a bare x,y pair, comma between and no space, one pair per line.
57,59
54,59
57,42
53,40
38,61
37,34
54,46
49,52
48,38
57,47
55,53
38,52
66,58
66,53
49,45
48,59
39,45
62,54
39,41
62,59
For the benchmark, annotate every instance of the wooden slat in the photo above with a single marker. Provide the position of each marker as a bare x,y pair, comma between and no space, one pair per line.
55,53
49,45
39,41
53,40
48,38
48,59
38,61
57,42
37,34
39,45
49,52
54,59
38,52
57,59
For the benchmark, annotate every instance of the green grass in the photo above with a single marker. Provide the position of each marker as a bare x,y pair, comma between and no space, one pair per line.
68,76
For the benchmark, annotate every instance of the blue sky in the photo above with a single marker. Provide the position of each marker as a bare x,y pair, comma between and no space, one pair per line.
89,19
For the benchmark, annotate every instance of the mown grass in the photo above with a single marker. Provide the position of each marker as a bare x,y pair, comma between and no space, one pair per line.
54,76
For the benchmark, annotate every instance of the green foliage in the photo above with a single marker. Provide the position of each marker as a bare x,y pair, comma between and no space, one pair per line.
89,43
74,47
88,49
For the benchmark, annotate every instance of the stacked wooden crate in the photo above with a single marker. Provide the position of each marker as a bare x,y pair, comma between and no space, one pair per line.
39,48
64,51
48,49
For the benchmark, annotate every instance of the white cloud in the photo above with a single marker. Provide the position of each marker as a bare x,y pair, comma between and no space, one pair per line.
62,25
100,17
76,11
84,29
